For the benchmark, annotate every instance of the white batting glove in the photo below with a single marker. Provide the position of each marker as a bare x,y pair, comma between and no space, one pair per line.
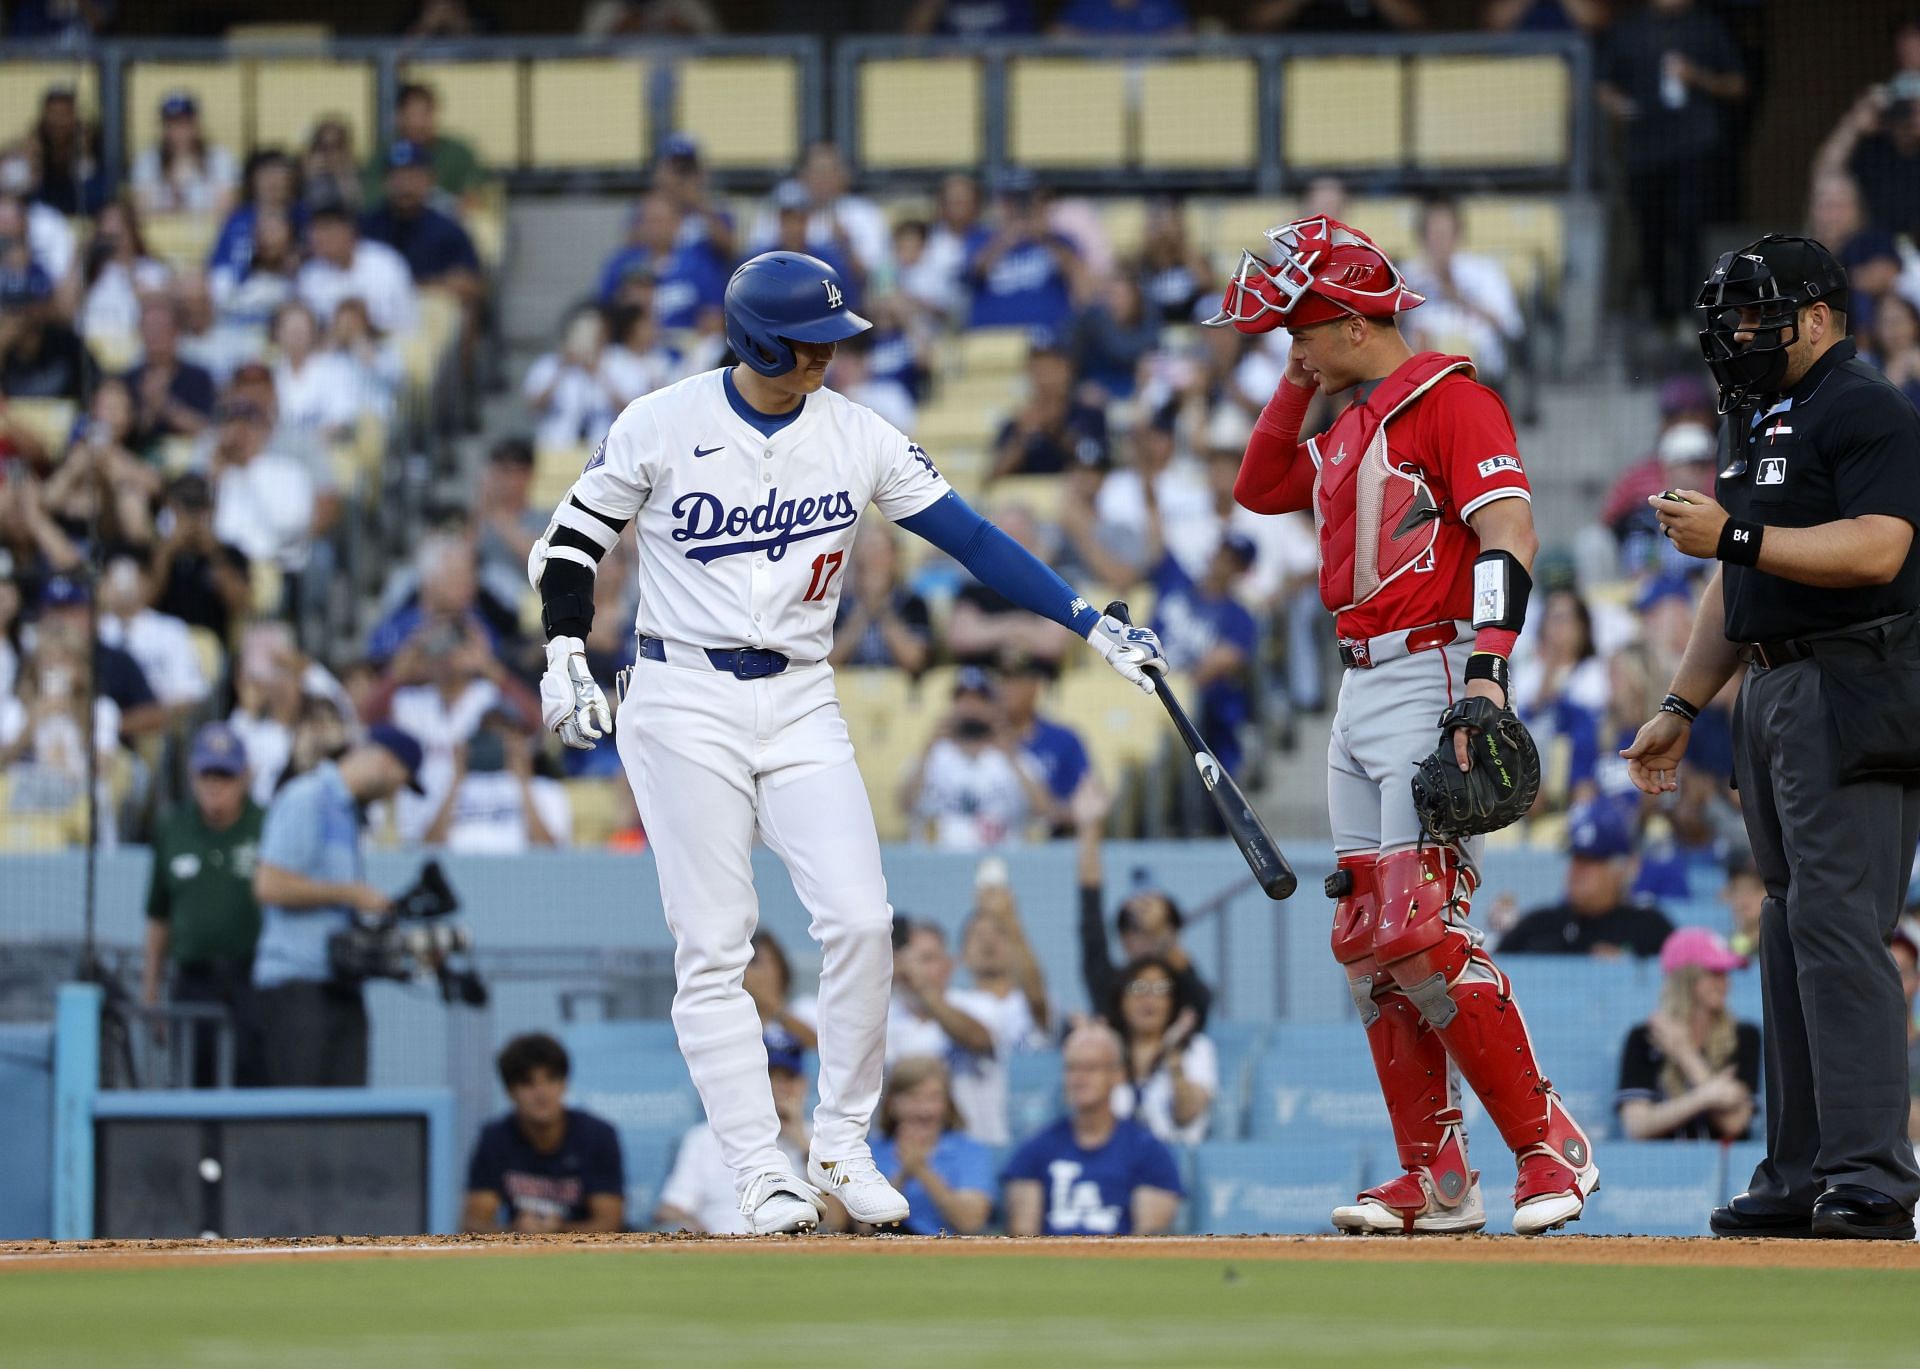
1132,651
570,702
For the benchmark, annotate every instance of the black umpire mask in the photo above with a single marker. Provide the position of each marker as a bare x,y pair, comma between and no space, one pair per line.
1759,291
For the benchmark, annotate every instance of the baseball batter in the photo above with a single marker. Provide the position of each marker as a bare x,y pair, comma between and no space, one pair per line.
746,485
1426,537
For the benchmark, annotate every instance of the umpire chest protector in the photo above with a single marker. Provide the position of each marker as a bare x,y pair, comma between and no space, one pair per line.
1376,519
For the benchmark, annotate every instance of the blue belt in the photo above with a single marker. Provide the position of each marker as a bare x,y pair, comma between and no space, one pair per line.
743,663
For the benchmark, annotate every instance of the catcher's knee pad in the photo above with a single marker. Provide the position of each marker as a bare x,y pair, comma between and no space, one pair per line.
1423,891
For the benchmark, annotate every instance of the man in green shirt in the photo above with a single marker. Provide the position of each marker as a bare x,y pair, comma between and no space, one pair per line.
416,119
201,913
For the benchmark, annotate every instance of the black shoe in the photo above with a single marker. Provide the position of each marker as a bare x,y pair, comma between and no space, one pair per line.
1743,1216
1858,1213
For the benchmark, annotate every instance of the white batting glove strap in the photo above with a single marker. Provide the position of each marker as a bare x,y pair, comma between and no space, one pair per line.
1132,651
571,704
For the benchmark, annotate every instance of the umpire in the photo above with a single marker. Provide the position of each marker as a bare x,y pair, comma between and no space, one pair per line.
1816,592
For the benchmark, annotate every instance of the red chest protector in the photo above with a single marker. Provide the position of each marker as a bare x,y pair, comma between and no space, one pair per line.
1376,520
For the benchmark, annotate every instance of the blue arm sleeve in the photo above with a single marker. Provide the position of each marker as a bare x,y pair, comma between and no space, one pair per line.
1000,563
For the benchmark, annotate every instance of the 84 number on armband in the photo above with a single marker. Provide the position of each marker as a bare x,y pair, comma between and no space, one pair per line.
825,567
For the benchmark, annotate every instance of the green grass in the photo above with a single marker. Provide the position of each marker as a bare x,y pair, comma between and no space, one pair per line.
840,1310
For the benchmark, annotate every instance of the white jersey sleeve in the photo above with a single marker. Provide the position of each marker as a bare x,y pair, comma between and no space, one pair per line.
619,475
908,480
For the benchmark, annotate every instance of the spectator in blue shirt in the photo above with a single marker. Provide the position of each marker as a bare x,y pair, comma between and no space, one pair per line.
946,1175
1090,1173
1210,636
1019,272
271,182
544,1166
311,881
1135,18
1053,749
437,249
688,277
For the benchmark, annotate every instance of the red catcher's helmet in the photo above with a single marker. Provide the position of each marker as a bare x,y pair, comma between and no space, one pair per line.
1321,270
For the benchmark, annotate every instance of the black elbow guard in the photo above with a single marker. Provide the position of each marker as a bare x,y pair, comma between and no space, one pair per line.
1500,589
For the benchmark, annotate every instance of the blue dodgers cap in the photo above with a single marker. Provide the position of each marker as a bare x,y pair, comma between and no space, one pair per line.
25,285
785,1054
1597,830
1242,546
218,750
1662,588
791,195
680,147
64,591
405,153
178,104
403,747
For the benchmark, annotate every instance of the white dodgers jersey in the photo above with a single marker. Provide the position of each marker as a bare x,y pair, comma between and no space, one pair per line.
743,536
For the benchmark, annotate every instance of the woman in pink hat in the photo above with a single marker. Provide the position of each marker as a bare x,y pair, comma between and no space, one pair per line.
1691,1071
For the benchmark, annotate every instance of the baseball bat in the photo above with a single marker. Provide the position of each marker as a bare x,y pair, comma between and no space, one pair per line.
1270,868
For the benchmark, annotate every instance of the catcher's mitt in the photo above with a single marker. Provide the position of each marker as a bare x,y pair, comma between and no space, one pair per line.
1500,783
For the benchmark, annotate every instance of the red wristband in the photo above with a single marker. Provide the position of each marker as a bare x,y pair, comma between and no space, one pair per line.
1498,640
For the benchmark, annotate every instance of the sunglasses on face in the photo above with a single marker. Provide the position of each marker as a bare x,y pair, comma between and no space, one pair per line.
1150,988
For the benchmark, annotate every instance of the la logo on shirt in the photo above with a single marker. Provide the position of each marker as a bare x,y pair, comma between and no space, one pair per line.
1075,1202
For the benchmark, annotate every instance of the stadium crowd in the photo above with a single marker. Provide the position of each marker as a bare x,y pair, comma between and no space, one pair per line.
211,416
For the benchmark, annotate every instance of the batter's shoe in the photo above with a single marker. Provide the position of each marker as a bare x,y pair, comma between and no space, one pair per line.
777,1204
859,1185
1556,1177
1410,1206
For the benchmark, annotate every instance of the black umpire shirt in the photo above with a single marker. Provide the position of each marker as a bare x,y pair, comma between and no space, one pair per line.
1842,443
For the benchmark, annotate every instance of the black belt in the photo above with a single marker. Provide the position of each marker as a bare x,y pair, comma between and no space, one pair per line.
1771,655
743,663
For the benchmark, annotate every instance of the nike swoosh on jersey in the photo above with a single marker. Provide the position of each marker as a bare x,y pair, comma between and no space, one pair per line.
700,451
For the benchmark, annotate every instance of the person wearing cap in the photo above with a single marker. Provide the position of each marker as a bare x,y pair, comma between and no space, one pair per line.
200,580
544,1166
437,249
681,176
1816,593
455,167
1594,917
1052,748
41,357
342,264
1019,272
311,882
202,917
852,225
970,789
1691,1071
183,173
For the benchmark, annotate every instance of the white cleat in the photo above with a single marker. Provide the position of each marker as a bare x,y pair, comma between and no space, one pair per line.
1547,1211
777,1204
859,1185
1369,1215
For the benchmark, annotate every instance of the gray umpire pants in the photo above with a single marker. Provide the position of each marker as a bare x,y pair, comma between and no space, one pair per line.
1835,858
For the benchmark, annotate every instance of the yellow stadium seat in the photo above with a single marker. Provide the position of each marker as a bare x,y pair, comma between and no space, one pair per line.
50,420
1121,726
744,110
248,36
1040,495
209,651
944,426
1530,235
1231,227
117,353
1200,113
23,84
1393,221
1343,111
597,809
1490,111
1064,111
985,393
268,586
990,351
1124,221
554,471
180,240
174,454
920,112
220,89
480,103
587,113
291,95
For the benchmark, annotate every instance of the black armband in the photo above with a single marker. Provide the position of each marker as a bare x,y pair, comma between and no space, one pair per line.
1500,589
1490,665
566,600
1739,542
1679,707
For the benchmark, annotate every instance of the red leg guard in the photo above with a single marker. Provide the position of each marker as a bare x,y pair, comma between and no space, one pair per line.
1408,1055
1440,967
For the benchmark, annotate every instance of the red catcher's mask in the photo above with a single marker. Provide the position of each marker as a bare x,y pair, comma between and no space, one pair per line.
1321,270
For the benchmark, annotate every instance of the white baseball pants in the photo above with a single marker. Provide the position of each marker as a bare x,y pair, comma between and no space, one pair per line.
709,756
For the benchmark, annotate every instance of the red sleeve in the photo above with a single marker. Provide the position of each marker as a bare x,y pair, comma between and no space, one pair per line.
1476,453
1276,475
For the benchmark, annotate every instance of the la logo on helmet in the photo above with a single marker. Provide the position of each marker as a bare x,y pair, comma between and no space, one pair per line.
833,294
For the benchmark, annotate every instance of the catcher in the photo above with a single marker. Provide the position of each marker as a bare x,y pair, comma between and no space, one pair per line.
1426,536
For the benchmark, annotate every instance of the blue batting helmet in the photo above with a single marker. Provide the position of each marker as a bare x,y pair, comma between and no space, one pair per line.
779,298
